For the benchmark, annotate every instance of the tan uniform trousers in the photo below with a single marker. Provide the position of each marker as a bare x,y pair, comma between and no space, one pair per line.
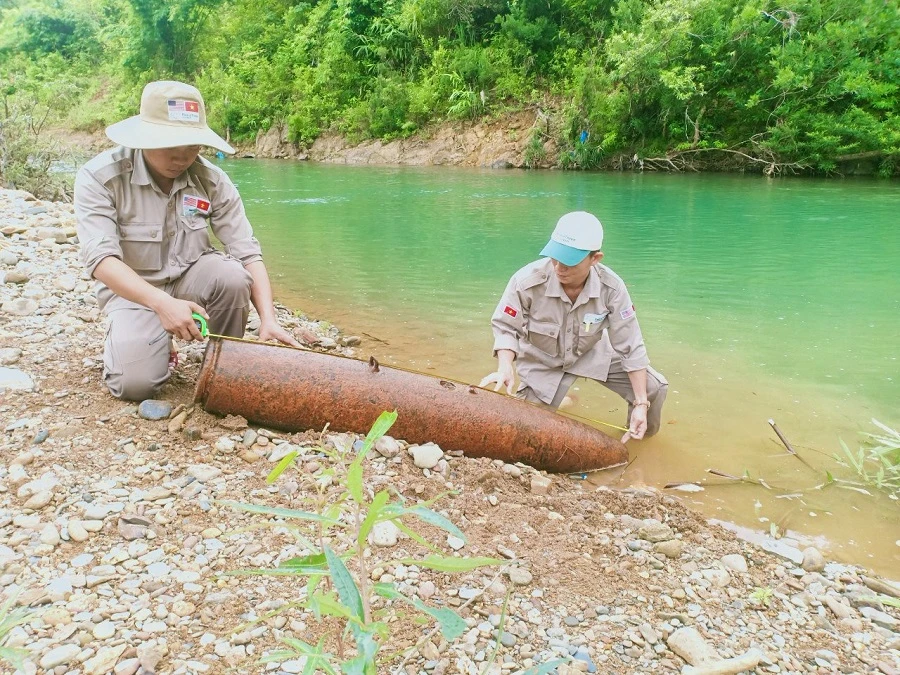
136,352
617,381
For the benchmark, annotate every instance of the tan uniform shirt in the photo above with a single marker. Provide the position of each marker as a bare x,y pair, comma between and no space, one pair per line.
552,336
121,212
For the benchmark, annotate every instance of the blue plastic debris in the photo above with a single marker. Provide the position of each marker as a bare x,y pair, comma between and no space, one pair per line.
582,655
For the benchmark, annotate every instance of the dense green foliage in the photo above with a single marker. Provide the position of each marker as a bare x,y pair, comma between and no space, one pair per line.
622,82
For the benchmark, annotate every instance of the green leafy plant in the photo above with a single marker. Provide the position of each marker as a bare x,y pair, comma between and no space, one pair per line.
535,154
9,619
30,158
762,596
877,462
337,569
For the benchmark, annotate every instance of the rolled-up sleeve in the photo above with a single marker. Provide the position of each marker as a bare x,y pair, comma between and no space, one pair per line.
95,221
507,322
625,332
229,223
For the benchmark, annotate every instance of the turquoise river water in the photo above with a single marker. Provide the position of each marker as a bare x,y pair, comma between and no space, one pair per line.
758,299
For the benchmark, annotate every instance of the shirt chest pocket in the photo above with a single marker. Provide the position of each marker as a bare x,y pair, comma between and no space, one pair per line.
589,335
544,336
192,239
142,246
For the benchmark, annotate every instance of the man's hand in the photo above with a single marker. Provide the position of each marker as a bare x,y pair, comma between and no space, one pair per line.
272,331
175,316
504,377
638,424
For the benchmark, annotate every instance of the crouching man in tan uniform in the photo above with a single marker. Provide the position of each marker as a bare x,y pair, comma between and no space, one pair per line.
142,213
567,316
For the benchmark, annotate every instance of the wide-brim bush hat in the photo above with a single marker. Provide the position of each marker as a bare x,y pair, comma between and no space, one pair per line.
172,115
576,234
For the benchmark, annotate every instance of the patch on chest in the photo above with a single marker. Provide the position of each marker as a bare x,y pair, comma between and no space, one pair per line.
191,205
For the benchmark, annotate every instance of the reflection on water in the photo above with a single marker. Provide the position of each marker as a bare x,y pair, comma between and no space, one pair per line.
758,299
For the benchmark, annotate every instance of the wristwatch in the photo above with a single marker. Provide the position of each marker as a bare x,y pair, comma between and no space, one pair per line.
641,403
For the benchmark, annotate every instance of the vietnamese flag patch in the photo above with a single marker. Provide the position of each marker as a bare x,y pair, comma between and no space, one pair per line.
192,205
511,311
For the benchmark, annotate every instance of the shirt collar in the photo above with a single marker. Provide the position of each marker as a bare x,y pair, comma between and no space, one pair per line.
140,175
591,286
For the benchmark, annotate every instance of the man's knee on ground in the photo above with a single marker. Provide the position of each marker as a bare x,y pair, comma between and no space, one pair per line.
139,380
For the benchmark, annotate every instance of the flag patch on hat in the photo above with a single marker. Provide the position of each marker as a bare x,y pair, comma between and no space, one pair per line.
183,111
511,311
192,205
627,313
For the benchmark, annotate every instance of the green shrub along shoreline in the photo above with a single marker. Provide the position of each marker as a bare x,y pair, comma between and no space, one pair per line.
806,86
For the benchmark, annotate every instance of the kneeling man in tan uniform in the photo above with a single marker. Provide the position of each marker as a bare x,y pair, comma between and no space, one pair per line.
567,316
142,212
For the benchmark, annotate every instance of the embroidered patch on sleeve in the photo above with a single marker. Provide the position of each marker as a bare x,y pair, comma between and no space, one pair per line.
511,311
627,313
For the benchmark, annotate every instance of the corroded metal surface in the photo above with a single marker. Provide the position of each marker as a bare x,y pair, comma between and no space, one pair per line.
295,390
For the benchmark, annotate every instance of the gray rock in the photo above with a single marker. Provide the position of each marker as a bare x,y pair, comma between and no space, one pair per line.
813,560
716,577
507,639
540,485
152,409
672,548
9,356
734,562
426,456
15,277
782,550
882,586
519,576
879,618
19,307
455,543
654,531
59,656
13,379
384,533
649,635
203,472
386,446
739,664
104,661
690,646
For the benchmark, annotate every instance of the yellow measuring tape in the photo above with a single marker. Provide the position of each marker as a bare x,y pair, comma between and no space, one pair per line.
204,331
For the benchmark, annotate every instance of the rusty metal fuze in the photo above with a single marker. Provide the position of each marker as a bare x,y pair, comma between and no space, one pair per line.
295,390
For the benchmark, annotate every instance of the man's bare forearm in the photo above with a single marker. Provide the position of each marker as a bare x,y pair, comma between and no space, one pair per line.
261,291
638,379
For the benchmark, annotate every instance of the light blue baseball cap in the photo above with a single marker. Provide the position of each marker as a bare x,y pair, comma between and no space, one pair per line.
576,234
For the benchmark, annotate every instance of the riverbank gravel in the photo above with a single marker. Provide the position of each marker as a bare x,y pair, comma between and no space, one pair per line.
115,537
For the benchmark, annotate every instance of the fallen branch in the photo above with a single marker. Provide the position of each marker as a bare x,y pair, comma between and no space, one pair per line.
787,443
